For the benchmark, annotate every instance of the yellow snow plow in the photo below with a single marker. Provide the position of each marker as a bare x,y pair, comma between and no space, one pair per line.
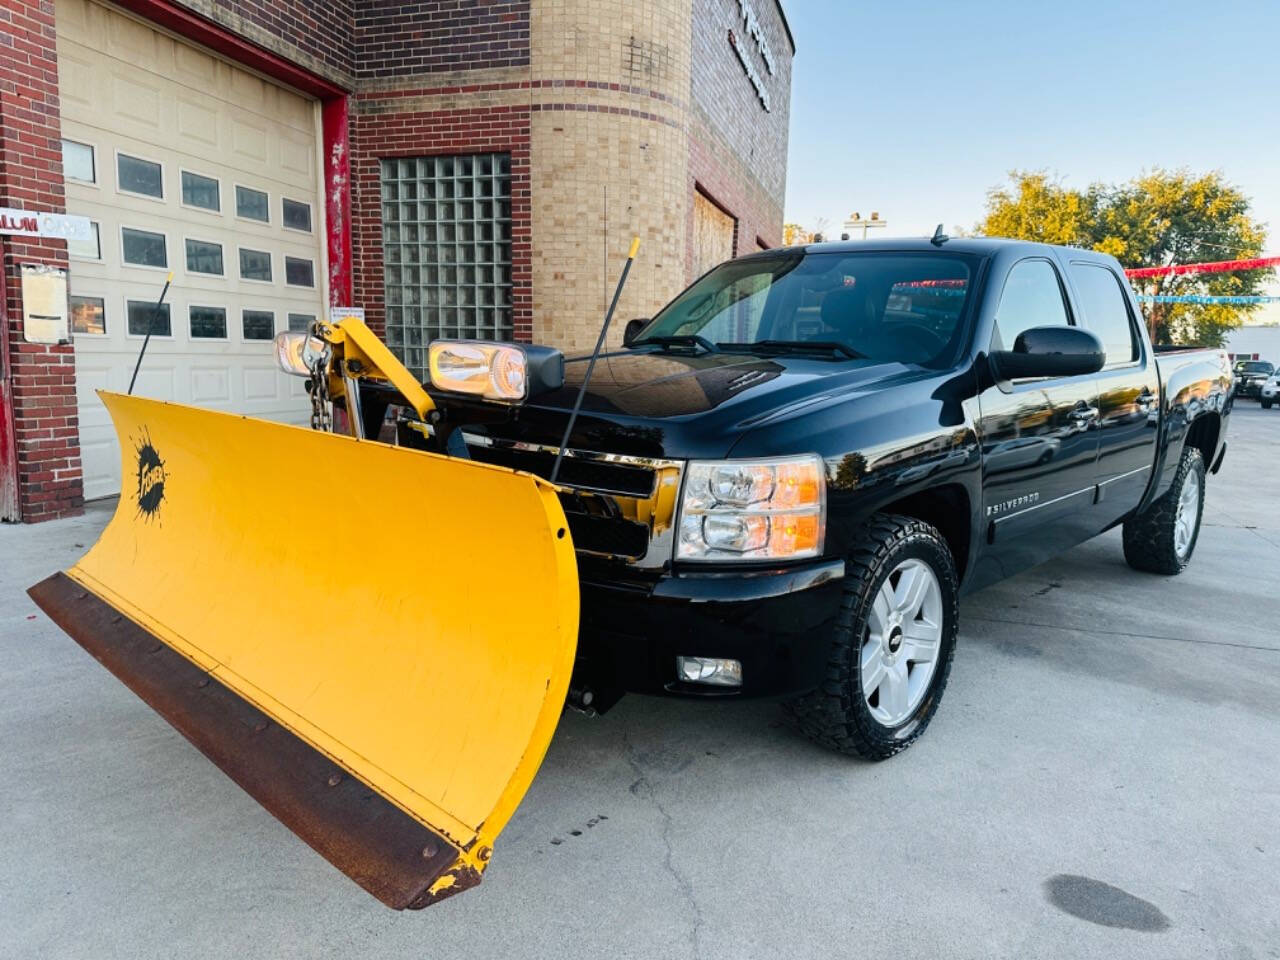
391,713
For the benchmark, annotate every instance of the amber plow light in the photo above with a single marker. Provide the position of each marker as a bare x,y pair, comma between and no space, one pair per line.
347,661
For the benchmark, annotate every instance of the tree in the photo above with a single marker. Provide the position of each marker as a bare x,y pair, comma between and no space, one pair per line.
1160,218
793,234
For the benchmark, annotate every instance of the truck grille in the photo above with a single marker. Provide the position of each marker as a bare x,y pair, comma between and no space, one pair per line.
617,506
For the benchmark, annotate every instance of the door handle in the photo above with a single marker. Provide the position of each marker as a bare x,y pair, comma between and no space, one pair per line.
1083,413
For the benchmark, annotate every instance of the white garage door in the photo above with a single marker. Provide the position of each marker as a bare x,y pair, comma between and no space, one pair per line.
184,162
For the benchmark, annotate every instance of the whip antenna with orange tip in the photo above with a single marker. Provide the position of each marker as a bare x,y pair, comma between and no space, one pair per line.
151,325
586,379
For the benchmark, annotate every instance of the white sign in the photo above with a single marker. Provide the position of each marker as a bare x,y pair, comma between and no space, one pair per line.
756,33
752,73
338,314
44,304
26,224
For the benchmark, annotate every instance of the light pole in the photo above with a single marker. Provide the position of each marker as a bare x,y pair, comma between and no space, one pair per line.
855,220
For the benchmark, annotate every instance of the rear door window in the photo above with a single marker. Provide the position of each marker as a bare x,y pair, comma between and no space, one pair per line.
1106,311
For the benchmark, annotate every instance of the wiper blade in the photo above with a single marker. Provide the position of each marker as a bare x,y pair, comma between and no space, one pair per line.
683,340
798,346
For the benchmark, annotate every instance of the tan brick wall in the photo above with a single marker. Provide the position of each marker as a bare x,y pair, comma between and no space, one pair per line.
609,160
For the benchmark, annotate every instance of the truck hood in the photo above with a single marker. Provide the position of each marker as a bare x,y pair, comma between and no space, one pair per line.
682,406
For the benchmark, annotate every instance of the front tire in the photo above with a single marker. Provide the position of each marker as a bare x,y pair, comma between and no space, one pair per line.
1162,538
894,641
1266,404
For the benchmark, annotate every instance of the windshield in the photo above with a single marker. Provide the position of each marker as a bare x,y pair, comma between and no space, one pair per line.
886,306
1255,366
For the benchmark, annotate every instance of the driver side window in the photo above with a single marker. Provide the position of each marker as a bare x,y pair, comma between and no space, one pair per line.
1032,297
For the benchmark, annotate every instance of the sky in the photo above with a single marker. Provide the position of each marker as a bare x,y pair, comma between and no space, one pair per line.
916,108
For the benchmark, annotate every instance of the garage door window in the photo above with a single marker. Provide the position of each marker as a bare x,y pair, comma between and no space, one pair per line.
87,249
88,315
142,248
301,322
255,265
136,175
299,272
143,316
446,237
208,323
204,257
201,192
253,204
297,215
258,324
78,162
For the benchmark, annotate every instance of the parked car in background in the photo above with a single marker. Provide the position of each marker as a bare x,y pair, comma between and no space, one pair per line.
1270,391
1251,375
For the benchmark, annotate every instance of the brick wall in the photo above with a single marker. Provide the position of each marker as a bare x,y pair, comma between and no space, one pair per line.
395,38
377,133
43,377
737,149
316,34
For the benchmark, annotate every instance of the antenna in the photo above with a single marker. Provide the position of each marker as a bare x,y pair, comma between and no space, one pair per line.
586,379
938,238
151,325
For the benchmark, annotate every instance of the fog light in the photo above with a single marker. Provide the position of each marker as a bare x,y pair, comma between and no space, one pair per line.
710,670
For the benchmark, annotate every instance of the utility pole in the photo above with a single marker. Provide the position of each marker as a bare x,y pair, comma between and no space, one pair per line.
855,221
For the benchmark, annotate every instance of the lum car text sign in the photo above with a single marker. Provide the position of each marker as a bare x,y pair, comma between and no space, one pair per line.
24,223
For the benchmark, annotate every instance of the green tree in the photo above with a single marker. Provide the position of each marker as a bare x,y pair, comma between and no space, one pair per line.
1160,218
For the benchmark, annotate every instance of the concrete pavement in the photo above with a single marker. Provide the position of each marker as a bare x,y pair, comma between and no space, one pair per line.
1101,780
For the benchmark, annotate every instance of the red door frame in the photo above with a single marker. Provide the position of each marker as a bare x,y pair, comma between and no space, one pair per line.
9,507
333,100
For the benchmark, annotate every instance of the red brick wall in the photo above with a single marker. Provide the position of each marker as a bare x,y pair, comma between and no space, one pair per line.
397,38
44,393
318,34
494,129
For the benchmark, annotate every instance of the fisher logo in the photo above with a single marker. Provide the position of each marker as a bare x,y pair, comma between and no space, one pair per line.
151,478
1026,500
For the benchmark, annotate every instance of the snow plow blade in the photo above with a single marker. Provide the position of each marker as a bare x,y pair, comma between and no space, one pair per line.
374,642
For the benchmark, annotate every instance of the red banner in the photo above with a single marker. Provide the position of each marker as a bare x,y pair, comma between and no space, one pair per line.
1221,266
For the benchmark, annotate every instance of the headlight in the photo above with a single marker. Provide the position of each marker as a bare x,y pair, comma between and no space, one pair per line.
295,351
753,510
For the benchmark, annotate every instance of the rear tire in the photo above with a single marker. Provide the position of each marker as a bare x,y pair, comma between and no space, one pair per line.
884,637
1163,537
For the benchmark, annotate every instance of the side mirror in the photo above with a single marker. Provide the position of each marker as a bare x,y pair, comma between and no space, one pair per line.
632,330
1059,351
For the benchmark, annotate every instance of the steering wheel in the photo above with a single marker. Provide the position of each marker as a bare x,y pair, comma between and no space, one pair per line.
915,338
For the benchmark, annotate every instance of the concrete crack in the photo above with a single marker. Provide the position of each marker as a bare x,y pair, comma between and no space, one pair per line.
643,787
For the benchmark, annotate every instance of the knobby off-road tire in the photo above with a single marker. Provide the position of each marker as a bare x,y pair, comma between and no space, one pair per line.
1163,537
838,714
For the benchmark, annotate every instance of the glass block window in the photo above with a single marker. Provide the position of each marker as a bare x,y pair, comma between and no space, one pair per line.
446,247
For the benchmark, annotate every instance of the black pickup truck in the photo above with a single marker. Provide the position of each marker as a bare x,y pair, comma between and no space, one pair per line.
785,480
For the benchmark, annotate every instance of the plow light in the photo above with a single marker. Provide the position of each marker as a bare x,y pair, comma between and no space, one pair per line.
295,350
496,371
